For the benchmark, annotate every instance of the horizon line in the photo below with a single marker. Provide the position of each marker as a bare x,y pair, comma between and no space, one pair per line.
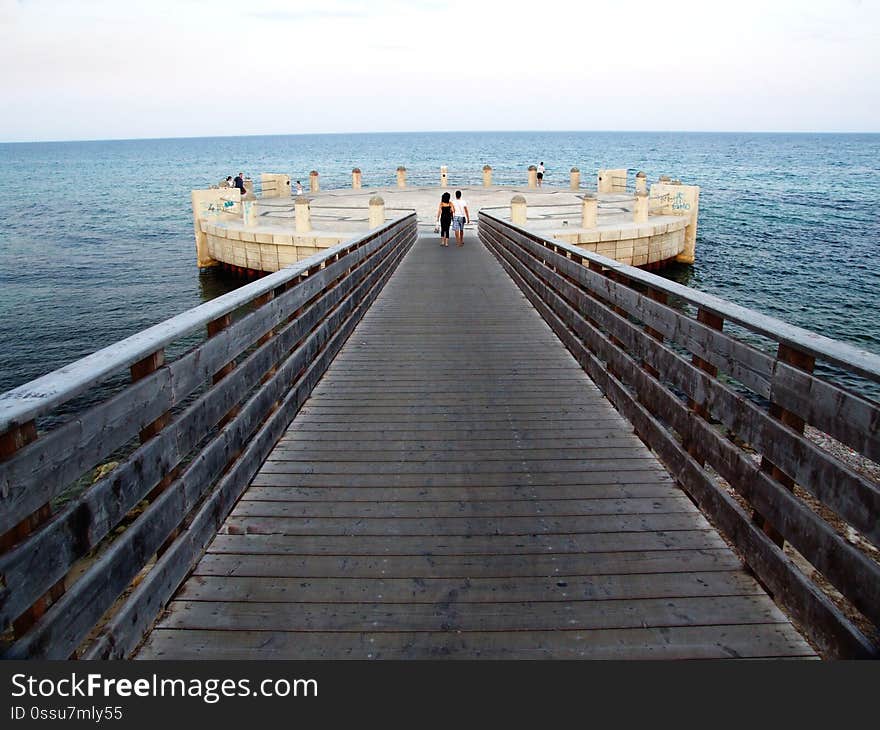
437,131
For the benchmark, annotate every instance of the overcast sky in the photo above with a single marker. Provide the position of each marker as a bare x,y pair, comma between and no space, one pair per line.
100,69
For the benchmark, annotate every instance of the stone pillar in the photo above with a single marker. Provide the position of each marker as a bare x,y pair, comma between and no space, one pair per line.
575,178
518,214
589,211
640,208
303,214
377,211
401,177
249,211
248,186
314,185
641,183
533,176
444,177
487,176
356,178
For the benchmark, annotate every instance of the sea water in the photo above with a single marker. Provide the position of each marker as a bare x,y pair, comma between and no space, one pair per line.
96,238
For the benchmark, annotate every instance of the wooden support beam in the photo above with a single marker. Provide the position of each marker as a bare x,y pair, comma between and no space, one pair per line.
807,363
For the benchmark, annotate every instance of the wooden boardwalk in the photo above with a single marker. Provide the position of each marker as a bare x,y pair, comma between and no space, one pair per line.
457,486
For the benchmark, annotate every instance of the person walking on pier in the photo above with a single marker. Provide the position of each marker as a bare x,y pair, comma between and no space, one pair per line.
299,188
444,218
461,216
540,174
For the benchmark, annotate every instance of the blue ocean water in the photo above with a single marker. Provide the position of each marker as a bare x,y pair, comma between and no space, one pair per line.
96,238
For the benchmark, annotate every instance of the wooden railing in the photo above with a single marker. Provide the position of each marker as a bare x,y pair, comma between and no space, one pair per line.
728,420
87,577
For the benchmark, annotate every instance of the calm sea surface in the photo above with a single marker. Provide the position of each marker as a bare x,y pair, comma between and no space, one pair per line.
96,238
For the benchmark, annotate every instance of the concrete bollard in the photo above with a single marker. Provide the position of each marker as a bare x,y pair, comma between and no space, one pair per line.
314,186
249,211
640,208
487,176
356,178
401,177
518,211
575,181
377,211
248,185
533,176
641,183
444,177
303,214
589,211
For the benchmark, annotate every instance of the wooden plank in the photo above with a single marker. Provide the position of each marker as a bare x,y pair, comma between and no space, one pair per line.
558,544
496,616
650,472
405,495
430,590
468,525
691,642
460,509
468,566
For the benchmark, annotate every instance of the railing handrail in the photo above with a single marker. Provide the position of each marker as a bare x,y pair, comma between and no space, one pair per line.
833,351
39,396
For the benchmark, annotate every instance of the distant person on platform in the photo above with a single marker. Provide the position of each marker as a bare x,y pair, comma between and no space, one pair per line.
299,188
239,183
461,216
229,181
540,174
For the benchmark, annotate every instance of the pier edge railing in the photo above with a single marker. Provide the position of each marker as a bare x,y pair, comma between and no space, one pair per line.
616,322
205,422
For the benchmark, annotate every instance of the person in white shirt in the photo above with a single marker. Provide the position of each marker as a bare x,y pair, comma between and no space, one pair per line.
299,188
460,216
540,174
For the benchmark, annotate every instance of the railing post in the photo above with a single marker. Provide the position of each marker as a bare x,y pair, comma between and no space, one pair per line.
139,371
716,322
444,177
487,176
589,211
401,177
640,208
641,183
662,298
518,212
314,185
303,214
807,363
377,211
356,178
12,440
533,176
575,181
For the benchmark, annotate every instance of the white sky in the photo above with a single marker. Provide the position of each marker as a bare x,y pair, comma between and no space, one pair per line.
99,69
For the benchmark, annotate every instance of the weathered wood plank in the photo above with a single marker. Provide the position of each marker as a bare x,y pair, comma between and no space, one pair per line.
558,544
469,590
700,642
464,566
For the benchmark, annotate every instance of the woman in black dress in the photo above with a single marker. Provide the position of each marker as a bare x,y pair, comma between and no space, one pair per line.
444,218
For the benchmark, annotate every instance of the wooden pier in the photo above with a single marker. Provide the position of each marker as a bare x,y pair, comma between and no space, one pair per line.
514,449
